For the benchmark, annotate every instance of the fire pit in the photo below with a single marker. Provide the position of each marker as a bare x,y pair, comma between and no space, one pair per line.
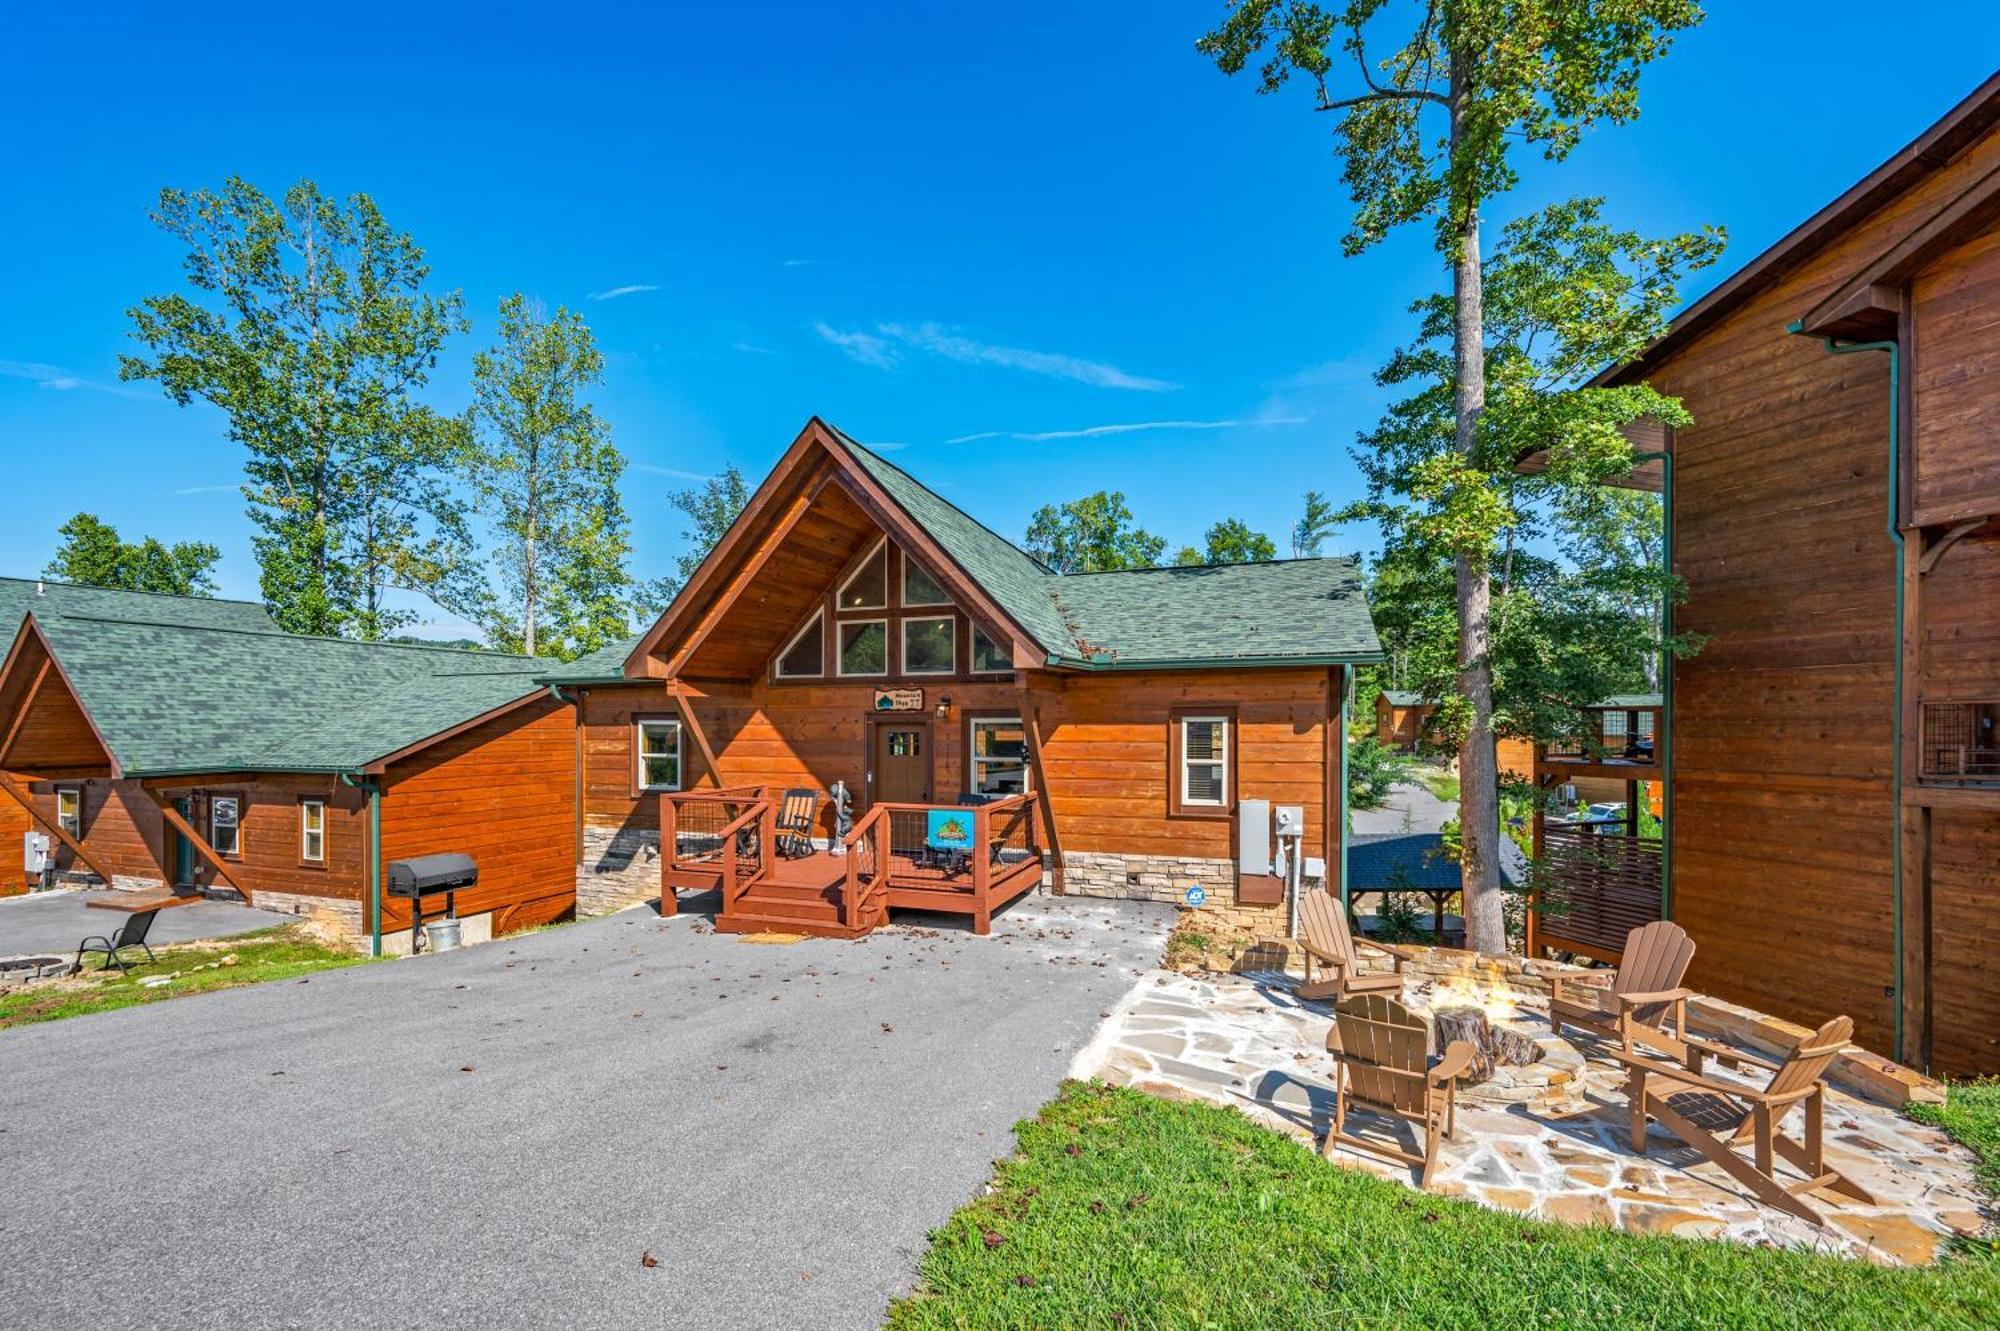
16,972
1519,1059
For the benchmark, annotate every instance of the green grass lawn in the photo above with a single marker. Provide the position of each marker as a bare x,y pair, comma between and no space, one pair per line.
285,953
1441,783
1125,1211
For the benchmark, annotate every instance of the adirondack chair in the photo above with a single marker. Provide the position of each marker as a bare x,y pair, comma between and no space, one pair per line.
1324,938
1381,1052
1718,1119
132,933
1645,995
796,812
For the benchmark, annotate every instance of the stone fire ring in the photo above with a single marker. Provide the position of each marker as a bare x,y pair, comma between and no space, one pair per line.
19,972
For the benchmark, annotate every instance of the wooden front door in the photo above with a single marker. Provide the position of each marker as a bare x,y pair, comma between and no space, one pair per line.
900,766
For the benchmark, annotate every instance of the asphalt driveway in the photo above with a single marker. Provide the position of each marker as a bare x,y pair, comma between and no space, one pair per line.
55,922
492,1138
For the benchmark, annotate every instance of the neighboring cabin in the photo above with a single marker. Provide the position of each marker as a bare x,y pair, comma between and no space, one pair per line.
1834,824
185,743
1402,718
854,627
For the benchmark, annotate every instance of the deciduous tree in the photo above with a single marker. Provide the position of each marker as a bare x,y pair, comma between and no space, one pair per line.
547,473
305,320
710,508
94,554
1427,133
1093,534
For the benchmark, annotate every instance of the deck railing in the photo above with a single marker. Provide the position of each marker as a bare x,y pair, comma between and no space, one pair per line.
866,847
1625,736
888,849
1961,740
729,831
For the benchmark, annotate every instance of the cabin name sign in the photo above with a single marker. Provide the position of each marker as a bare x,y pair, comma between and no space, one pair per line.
899,700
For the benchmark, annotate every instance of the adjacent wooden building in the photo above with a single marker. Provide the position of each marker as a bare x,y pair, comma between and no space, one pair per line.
1834,824
854,631
1402,719
185,745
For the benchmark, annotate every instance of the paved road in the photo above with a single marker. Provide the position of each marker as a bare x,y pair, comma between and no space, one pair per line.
491,1138
57,921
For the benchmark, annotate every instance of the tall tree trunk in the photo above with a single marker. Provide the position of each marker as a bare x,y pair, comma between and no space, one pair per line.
1478,759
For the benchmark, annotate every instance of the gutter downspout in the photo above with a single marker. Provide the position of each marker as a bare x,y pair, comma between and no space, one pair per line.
1665,458
374,789
1895,352
1346,709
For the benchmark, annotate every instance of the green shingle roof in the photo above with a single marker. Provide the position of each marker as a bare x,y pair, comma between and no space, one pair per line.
183,684
1403,698
1283,612
606,665
1631,701
18,596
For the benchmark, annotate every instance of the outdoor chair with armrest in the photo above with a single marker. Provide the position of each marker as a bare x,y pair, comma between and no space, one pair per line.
132,933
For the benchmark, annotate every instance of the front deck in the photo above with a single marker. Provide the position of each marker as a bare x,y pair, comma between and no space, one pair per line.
728,841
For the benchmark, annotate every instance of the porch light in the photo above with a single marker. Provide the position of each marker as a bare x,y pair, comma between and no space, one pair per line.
944,708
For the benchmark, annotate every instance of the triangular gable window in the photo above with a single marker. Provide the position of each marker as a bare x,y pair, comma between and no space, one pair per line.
867,588
919,587
805,656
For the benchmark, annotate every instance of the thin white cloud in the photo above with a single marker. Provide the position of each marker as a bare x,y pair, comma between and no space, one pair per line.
864,347
675,473
941,341
60,380
752,349
1127,427
613,293
807,263
206,489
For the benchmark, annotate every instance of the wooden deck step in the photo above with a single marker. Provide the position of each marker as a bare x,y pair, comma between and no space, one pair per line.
738,922
134,902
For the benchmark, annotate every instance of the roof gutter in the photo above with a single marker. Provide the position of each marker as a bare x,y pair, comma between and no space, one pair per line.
1895,509
1212,662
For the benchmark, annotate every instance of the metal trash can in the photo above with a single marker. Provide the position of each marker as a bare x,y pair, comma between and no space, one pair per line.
441,936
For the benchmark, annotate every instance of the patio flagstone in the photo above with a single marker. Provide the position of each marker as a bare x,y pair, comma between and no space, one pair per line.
1248,1042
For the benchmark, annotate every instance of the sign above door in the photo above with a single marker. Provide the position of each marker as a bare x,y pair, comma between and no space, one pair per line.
899,700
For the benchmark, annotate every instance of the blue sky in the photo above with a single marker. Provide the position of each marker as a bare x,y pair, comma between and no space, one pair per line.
997,243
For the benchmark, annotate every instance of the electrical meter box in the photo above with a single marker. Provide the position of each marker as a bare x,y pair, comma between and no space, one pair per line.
1291,820
35,852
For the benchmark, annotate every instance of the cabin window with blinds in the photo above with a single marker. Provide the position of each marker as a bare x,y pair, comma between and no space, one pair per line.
1201,755
225,824
312,831
69,811
659,746
999,756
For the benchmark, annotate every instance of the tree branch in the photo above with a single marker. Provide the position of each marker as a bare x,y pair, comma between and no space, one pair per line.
1376,92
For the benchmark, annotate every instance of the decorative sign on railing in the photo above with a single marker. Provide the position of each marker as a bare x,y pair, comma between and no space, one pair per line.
899,700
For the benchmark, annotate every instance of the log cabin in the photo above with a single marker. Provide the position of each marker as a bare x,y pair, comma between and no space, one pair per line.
1832,766
952,719
183,746
1402,719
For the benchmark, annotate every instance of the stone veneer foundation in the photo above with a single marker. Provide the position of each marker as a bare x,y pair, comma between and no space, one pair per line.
620,868
1167,878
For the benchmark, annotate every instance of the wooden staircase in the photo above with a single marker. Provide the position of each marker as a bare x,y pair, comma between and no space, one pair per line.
773,905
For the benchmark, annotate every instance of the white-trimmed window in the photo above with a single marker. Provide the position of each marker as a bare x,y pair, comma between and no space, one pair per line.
867,588
998,756
988,657
930,645
864,647
659,751
804,657
312,831
225,824
919,587
69,810
1204,754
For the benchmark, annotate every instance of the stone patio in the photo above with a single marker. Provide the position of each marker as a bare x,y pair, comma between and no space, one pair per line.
1243,1040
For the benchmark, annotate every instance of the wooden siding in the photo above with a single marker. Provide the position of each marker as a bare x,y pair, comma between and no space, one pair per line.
503,792
1784,828
1106,739
1955,326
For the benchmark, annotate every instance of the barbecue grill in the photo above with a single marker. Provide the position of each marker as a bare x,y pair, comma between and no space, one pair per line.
422,876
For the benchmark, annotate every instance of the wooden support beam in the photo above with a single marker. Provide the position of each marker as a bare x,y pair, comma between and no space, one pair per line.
27,705
55,828
1935,552
753,563
1031,722
201,846
693,727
